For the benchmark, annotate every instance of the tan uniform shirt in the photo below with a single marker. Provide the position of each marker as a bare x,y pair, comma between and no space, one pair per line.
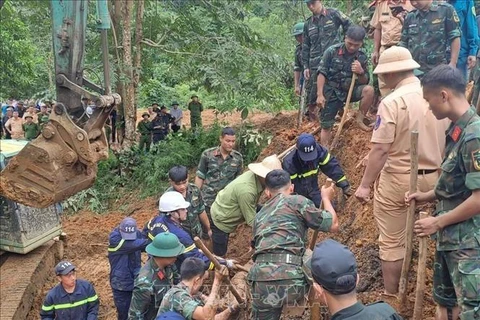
15,126
391,26
398,114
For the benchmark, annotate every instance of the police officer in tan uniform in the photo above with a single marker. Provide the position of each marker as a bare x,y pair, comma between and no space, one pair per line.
387,21
388,166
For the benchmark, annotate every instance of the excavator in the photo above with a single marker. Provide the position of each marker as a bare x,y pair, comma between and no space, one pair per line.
63,159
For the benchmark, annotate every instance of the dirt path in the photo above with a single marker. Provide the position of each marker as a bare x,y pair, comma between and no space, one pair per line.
88,232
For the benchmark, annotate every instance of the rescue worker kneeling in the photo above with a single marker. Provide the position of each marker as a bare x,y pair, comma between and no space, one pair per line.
186,299
279,240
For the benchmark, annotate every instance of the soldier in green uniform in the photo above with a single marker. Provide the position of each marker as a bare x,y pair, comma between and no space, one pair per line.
456,221
335,72
30,128
144,127
42,122
196,216
298,66
320,31
335,278
196,109
186,299
42,114
218,167
280,238
427,32
156,277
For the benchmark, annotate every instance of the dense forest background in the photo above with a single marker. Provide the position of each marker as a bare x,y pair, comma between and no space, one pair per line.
234,54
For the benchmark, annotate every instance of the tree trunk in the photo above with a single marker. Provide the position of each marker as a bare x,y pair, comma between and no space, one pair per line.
129,98
127,77
349,7
138,46
116,16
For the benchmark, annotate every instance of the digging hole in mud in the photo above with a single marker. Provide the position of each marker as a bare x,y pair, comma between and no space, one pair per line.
88,232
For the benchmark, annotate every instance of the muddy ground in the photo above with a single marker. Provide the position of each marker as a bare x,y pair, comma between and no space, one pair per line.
88,232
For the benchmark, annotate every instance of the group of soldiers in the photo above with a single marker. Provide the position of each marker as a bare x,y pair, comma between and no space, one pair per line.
157,122
283,273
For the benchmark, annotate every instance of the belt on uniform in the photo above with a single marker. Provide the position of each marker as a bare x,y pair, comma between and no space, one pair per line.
447,205
279,258
427,171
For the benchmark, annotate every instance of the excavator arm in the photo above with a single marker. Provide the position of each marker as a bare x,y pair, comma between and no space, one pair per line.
63,159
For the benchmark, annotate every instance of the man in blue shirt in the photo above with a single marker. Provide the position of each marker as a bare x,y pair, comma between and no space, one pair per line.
469,40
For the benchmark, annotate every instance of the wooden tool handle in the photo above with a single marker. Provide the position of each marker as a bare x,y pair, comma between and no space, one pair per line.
218,266
403,284
313,242
422,264
345,112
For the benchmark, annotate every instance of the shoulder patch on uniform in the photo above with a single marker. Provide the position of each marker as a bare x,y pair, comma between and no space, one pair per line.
455,17
378,121
476,159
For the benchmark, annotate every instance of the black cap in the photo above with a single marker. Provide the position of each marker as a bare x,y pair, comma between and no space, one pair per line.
64,267
334,267
194,96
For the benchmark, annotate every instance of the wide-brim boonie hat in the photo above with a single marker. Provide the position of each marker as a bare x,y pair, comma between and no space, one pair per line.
268,164
395,59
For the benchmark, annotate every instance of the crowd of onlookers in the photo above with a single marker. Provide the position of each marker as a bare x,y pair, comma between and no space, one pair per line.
24,120
157,122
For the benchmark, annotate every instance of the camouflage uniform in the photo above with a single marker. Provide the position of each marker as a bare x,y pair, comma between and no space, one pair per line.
145,130
456,277
336,66
179,300
192,225
427,34
196,109
319,33
298,66
217,172
280,238
150,287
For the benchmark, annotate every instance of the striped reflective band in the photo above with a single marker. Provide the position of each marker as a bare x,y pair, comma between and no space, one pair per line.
190,248
211,266
117,247
324,162
341,179
151,236
69,305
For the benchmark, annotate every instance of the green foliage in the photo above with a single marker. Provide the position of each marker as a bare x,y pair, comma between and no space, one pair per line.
18,56
147,173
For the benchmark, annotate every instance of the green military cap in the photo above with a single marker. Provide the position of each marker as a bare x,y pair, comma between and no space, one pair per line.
145,114
194,96
174,103
298,29
28,116
44,118
165,245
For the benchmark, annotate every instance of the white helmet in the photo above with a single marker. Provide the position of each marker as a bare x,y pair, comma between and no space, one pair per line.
172,201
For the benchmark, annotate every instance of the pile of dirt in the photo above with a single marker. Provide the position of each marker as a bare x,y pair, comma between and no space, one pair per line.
88,232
